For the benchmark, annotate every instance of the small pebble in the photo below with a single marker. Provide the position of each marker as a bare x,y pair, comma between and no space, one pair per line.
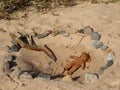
90,78
26,77
7,65
109,57
88,30
104,47
66,34
109,64
14,48
95,36
97,44
101,70
42,35
46,76
45,34
85,30
11,58
67,78
80,31
62,32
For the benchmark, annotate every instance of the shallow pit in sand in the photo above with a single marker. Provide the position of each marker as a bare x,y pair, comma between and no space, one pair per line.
62,48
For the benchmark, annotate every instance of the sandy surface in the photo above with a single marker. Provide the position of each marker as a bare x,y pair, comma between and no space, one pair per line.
103,18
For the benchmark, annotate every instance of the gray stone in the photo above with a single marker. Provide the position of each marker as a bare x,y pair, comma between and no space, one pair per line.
46,76
85,30
97,44
14,48
42,35
90,77
11,57
95,36
65,34
88,30
45,34
102,69
109,57
109,64
103,47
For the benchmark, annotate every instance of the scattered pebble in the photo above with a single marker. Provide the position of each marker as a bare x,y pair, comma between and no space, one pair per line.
95,36
46,76
67,78
109,57
85,30
88,30
14,48
104,47
42,35
80,31
90,78
65,34
26,77
97,44
45,34
109,63
62,32
11,57
7,67
102,69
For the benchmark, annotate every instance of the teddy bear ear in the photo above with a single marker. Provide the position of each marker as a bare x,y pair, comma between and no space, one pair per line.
84,52
88,53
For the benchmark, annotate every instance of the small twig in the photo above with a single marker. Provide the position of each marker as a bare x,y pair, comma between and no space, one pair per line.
79,42
44,48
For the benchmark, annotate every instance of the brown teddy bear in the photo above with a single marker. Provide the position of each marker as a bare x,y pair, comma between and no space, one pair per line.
77,63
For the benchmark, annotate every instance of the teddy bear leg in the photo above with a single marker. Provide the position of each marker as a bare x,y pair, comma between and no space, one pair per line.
68,66
83,66
73,69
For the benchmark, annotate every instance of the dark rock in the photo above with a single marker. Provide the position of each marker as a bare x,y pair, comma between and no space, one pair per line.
14,48
11,57
81,31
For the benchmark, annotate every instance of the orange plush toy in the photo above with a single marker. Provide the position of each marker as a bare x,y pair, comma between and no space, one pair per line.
77,63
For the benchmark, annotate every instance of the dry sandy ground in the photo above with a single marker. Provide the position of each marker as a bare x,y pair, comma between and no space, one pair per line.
103,18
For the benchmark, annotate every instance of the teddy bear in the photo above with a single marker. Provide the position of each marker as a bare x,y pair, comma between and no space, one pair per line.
79,61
